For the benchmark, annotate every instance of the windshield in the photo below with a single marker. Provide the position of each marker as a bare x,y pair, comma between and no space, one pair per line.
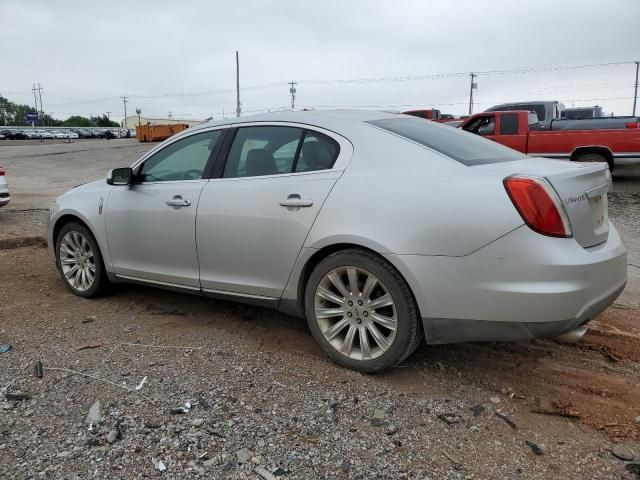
464,147
538,108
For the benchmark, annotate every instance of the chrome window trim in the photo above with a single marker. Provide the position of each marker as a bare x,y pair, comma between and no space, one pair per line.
344,156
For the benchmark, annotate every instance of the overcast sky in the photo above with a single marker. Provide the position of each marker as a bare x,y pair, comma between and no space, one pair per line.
178,56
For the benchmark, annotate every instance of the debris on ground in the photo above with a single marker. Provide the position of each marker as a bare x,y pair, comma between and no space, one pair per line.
623,453
535,448
451,458
243,455
477,410
89,319
5,348
17,396
495,399
548,406
141,384
186,408
450,418
114,435
264,473
378,418
90,344
93,417
158,464
507,420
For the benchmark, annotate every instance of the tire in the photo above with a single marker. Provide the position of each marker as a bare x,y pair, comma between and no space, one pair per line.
331,318
71,250
595,157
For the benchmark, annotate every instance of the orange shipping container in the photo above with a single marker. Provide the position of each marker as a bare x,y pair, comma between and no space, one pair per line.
157,133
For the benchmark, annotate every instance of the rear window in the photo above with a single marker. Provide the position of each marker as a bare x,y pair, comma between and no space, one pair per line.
464,147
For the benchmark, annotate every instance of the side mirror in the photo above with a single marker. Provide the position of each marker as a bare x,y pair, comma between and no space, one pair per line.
120,176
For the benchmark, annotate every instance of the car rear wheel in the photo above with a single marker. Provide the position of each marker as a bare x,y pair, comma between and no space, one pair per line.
79,261
361,311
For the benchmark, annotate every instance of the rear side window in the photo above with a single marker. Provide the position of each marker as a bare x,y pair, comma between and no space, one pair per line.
318,152
509,124
464,147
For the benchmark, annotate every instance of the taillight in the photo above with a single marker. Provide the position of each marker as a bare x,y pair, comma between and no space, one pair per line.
632,125
1,170
538,205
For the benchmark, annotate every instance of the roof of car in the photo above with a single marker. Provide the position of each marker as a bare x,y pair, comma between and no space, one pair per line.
313,117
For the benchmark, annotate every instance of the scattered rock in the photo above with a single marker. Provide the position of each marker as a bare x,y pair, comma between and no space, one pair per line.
230,464
93,416
623,453
17,396
507,420
197,422
114,435
535,448
264,473
153,422
209,463
478,409
158,464
495,399
89,319
346,466
378,418
450,418
638,419
243,455
5,348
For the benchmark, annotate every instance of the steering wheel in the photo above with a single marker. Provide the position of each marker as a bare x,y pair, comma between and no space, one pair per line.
193,174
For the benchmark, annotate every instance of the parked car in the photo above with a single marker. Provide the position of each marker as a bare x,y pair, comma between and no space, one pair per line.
519,130
5,197
380,229
2,137
13,134
31,134
59,134
71,134
45,134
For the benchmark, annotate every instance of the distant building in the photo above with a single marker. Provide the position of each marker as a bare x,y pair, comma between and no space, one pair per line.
132,121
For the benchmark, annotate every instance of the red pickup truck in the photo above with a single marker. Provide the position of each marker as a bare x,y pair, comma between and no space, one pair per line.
579,141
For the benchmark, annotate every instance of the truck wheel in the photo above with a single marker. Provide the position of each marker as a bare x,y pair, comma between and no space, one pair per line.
594,157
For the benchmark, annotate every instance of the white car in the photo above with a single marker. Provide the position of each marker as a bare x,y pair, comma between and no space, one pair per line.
4,188
59,134
382,230
72,135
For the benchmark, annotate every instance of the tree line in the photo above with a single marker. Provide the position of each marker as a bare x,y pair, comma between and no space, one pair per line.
15,115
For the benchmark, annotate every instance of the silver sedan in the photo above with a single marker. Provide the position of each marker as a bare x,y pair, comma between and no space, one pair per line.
381,230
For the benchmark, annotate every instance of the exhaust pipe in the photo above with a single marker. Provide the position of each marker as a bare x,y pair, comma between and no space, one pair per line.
573,336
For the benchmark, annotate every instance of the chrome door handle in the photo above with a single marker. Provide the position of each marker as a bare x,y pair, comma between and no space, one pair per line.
296,202
177,201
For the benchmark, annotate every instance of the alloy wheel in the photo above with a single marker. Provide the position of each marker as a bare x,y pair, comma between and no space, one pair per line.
77,261
356,313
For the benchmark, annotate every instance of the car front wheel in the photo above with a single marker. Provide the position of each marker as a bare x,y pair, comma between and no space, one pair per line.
79,261
361,311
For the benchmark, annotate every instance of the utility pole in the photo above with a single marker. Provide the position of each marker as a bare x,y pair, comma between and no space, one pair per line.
635,93
40,95
238,111
292,91
35,101
124,101
474,85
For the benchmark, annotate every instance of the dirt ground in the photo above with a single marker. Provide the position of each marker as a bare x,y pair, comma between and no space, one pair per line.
255,379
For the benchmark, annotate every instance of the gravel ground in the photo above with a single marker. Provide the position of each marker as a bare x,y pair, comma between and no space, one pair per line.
265,402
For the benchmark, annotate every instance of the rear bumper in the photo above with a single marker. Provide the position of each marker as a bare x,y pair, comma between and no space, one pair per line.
522,286
5,197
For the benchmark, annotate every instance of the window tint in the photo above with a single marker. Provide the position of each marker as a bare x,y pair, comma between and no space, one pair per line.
182,160
260,151
457,144
509,124
318,152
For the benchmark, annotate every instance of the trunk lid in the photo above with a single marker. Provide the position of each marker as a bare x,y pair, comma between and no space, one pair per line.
581,187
